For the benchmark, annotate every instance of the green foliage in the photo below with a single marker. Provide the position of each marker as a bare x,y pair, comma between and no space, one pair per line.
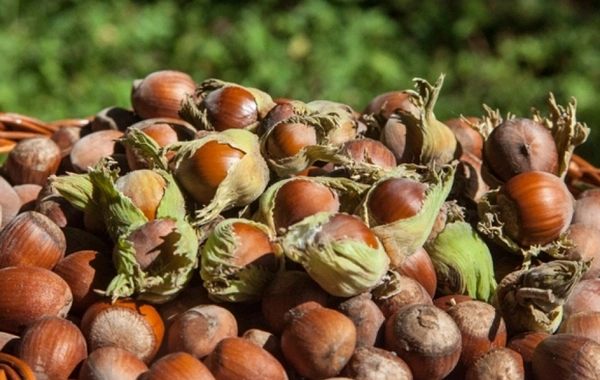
73,58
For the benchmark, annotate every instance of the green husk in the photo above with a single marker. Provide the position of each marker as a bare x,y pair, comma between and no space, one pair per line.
532,299
349,195
462,261
157,284
78,190
342,268
226,281
403,237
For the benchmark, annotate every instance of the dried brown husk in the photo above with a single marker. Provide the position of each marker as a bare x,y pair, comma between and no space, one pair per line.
532,299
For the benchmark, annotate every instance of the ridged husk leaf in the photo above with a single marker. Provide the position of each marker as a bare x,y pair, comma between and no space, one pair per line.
462,261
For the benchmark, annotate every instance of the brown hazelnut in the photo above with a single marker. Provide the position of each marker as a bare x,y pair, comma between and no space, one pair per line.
88,150
317,341
426,338
57,208
198,330
52,347
419,266
33,160
482,329
10,203
237,358
28,194
31,239
450,300
86,272
110,363
499,361
266,340
29,293
178,365
160,93
583,323
585,296
369,363
287,290
566,356
586,241
410,292
128,324
367,317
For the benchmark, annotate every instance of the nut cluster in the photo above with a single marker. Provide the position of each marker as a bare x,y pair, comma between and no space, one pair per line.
212,231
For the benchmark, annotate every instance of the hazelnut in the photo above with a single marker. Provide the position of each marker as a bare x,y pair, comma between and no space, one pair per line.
33,160
198,330
426,338
367,317
317,341
52,347
369,363
178,365
29,293
110,363
481,327
237,358
86,272
566,356
31,239
499,361
128,324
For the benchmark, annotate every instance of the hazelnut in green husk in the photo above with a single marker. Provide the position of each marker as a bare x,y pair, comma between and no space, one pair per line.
338,251
220,171
402,222
315,132
289,201
428,141
238,261
217,106
126,202
154,261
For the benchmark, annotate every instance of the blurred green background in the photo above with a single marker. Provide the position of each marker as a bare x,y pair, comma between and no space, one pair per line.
63,59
